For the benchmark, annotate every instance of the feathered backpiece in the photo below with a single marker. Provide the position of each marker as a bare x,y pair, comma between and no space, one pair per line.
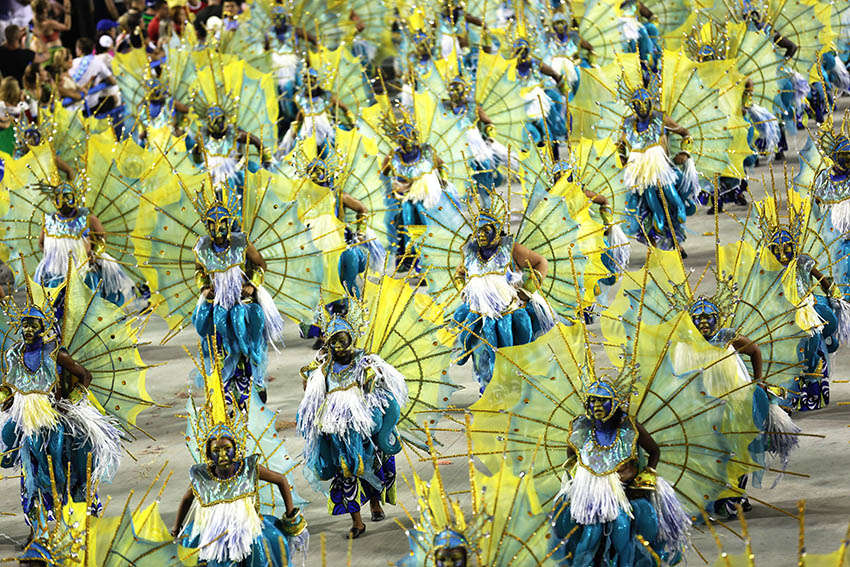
632,94
39,305
707,42
213,202
354,320
721,305
829,142
215,419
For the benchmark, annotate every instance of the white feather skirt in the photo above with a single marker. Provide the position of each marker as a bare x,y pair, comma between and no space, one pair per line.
537,103
228,286
674,524
285,67
226,530
566,67
57,252
83,422
32,413
629,28
317,124
595,499
545,316
222,168
767,125
489,295
647,168
427,190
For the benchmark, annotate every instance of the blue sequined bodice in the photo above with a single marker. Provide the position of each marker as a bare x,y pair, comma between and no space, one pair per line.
57,226
210,490
650,136
829,190
232,256
343,378
595,457
25,381
312,105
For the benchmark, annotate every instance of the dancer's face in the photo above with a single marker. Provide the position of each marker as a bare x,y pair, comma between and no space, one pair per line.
222,452
450,557
31,329
842,161
65,203
340,345
600,408
706,323
487,235
783,252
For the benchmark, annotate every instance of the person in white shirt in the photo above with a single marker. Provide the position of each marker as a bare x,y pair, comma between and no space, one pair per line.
92,74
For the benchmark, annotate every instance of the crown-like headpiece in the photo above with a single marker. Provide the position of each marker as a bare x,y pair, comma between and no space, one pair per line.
707,42
498,213
216,419
721,304
52,190
212,203
619,388
39,305
829,142
323,168
629,94
222,104
399,125
352,320
773,228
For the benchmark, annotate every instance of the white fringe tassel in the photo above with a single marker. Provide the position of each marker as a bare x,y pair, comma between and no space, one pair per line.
781,435
227,530
545,316
690,180
537,104
841,308
57,251
674,524
285,67
620,249
479,150
426,190
595,499
629,28
273,330
83,422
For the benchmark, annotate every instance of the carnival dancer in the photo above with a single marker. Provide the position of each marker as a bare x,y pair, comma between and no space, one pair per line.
348,418
660,190
222,503
233,305
73,234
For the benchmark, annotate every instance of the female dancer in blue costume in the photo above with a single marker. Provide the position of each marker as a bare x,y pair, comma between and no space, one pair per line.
414,172
74,233
542,104
158,110
485,154
316,114
611,492
562,49
500,305
348,417
233,304
48,425
286,63
223,499
660,194
220,147
831,191
816,370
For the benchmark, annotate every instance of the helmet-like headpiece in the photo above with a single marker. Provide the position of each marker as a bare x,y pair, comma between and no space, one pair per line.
640,98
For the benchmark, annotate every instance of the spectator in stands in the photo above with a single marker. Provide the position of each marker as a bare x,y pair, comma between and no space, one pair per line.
14,58
47,30
93,76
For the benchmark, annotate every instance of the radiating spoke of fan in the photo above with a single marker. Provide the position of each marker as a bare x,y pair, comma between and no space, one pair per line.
98,335
560,229
404,329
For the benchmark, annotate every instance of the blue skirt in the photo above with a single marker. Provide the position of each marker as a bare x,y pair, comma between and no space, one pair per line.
270,549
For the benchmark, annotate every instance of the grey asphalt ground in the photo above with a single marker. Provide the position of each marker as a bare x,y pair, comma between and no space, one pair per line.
774,534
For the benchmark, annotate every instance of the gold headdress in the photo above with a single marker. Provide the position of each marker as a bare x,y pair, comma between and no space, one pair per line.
39,305
353,320
830,143
707,42
213,202
721,305
216,419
